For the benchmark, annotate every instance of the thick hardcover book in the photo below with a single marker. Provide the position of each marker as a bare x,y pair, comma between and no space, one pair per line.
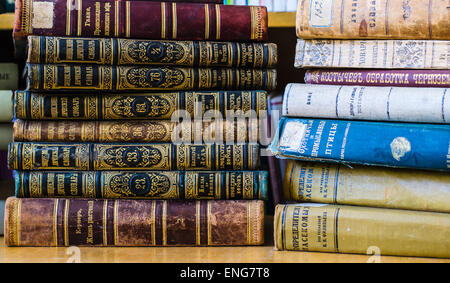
46,77
367,186
382,19
6,106
362,230
122,51
132,131
101,222
124,106
377,54
403,78
143,184
372,143
128,156
140,19
9,76
403,104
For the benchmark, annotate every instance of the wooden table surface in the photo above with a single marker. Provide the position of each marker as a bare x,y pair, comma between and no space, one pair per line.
255,254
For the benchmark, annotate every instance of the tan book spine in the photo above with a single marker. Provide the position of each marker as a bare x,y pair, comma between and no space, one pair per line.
353,229
380,19
367,186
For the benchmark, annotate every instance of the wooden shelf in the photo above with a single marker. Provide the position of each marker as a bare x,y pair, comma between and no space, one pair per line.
262,254
281,19
7,21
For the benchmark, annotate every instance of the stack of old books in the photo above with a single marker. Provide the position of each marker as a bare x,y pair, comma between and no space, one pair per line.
135,127
377,121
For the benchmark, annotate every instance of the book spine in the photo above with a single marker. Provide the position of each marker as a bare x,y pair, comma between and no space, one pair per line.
9,76
353,229
101,222
140,19
132,131
403,104
121,51
367,186
401,78
189,185
142,78
371,143
158,156
373,54
120,106
6,106
384,19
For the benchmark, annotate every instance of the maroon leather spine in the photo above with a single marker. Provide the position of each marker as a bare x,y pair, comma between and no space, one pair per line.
406,78
140,19
100,222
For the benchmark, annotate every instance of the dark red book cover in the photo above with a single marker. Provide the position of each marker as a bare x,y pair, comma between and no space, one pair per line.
140,20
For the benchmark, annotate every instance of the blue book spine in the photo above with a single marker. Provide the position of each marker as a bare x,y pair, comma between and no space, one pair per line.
408,145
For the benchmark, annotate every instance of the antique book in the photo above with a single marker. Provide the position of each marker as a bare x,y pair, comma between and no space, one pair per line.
367,186
6,106
380,77
406,145
143,184
403,104
132,156
381,19
2,216
123,51
101,222
9,76
6,135
141,131
140,19
122,106
361,230
376,54
80,77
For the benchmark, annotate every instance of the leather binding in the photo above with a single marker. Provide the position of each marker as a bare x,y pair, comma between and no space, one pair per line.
123,51
99,222
135,131
46,77
189,185
140,19
132,156
121,106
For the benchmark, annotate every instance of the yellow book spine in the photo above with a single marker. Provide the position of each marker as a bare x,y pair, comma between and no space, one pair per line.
353,229
367,186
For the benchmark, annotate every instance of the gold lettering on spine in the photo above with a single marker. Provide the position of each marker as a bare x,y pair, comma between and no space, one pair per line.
14,223
197,222
105,214
174,20
163,20
206,21
217,21
66,223
127,19
55,222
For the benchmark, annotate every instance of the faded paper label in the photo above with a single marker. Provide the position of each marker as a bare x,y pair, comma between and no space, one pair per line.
320,13
293,134
42,15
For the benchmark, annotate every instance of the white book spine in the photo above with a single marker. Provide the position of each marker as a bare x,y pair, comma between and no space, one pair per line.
397,104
